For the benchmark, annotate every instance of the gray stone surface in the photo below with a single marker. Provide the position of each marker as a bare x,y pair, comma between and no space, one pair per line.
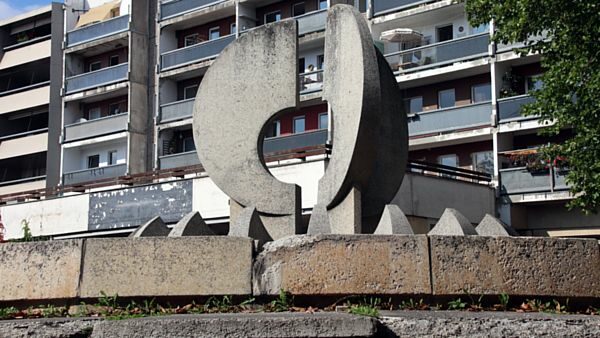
249,224
47,328
346,217
270,325
148,267
191,225
228,128
486,324
153,228
524,266
343,265
491,226
40,270
453,223
319,221
393,222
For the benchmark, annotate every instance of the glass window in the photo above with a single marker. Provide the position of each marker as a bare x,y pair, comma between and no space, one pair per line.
114,60
299,124
450,160
114,108
233,28
320,61
481,93
483,161
445,33
190,92
414,105
214,33
191,40
298,9
480,29
94,161
322,4
112,157
274,129
188,144
95,66
94,113
323,121
273,17
301,65
446,98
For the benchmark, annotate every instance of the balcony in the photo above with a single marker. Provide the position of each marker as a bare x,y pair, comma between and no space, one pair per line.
311,82
97,78
96,127
178,110
94,174
450,119
439,54
179,7
24,184
295,141
199,52
509,109
312,22
521,181
381,7
99,30
179,160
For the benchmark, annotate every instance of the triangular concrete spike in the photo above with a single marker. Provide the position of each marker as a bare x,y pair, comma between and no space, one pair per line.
153,228
248,224
393,222
319,221
191,225
491,226
453,223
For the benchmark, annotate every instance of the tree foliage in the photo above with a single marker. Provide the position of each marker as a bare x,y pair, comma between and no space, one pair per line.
567,35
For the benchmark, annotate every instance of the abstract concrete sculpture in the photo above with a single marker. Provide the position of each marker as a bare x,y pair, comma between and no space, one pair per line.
155,227
491,226
191,225
452,223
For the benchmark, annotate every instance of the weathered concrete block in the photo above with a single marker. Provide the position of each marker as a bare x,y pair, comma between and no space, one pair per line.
393,222
491,226
452,223
155,227
167,266
343,264
191,225
525,266
40,270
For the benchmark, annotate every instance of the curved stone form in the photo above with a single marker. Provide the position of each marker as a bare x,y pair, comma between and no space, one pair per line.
393,222
249,224
453,223
491,226
191,225
231,115
155,227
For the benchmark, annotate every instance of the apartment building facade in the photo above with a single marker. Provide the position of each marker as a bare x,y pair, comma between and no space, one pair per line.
132,69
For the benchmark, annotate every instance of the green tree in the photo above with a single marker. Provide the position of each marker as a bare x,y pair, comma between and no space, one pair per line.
570,97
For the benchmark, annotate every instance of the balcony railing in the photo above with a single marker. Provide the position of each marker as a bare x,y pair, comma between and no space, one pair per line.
94,174
381,7
179,160
439,54
311,82
174,8
450,119
202,51
522,181
509,109
295,141
96,127
178,110
97,78
98,30
312,22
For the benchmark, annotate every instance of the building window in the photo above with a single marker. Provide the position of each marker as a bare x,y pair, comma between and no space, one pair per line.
273,17
188,144
533,82
233,28
190,40
480,29
445,33
114,60
190,92
481,93
112,157
320,61
214,33
446,98
274,129
301,65
114,108
323,121
93,161
450,160
414,104
94,113
95,66
298,9
322,4
299,124
483,161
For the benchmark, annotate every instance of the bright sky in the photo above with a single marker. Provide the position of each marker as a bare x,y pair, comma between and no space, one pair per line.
10,8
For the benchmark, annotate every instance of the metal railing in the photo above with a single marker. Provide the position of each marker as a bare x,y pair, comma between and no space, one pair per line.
450,119
23,180
509,109
87,175
381,7
23,134
439,54
198,52
312,22
97,78
178,160
433,169
176,110
97,127
98,30
311,82
294,141
170,9
521,181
